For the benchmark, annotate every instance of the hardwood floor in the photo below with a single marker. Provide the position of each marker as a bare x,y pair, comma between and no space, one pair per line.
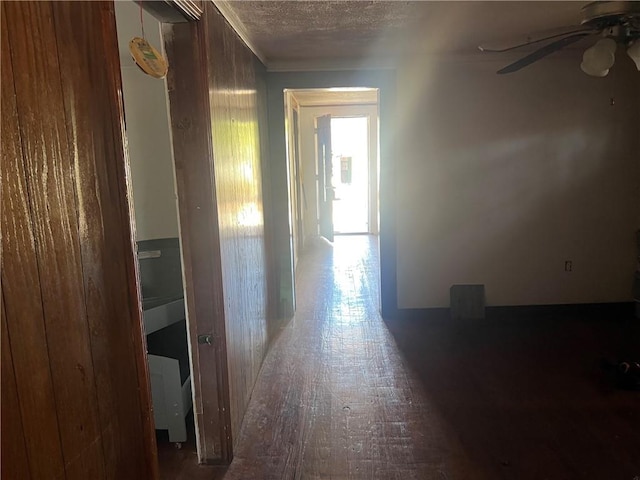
343,395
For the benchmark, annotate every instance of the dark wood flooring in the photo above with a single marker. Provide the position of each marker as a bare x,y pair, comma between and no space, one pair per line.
344,395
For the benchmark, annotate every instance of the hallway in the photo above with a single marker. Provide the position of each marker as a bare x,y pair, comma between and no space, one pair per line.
344,395
334,399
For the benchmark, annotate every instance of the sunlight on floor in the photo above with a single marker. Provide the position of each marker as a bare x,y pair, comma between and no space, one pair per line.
353,259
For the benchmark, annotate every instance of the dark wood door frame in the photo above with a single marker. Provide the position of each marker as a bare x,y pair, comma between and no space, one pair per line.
184,39
200,236
384,81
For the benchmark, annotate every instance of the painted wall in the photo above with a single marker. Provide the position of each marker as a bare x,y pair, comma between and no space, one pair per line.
308,157
501,179
291,105
147,126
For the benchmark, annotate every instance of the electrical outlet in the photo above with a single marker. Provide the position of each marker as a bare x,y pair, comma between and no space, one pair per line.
568,266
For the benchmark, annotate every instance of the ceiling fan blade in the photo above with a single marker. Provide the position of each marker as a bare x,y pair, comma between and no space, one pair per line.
543,52
566,31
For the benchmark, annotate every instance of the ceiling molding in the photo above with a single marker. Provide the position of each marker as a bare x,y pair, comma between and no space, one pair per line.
228,13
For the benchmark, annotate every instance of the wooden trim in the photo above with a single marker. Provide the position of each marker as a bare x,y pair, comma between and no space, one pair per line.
185,46
127,216
173,11
190,8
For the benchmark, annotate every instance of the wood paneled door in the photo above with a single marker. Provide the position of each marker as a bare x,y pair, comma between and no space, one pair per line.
75,395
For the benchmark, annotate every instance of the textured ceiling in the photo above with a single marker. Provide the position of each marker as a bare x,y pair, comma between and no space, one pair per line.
377,32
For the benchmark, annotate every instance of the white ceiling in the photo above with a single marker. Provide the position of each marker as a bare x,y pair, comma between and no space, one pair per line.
295,33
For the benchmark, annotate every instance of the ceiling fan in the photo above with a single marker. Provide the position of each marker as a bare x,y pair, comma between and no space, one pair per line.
617,23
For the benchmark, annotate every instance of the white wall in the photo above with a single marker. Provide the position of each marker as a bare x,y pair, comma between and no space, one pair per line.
147,124
308,157
500,179
290,104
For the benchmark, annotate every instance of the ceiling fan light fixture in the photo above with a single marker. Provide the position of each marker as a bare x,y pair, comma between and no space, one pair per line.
634,52
607,45
594,73
615,22
597,60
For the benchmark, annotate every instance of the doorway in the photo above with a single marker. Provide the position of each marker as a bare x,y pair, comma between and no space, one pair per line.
157,232
340,193
333,163
351,174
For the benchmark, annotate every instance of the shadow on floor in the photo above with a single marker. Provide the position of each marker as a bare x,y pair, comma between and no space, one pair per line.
182,463
528,397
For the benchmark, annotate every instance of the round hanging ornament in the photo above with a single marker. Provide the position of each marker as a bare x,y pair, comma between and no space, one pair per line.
148,58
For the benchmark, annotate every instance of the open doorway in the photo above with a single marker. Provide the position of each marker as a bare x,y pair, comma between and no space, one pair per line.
333,162
382,84
216,145
333,166
147,127
351,175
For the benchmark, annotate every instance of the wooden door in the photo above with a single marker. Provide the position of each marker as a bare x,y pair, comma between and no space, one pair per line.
326,192
75,394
